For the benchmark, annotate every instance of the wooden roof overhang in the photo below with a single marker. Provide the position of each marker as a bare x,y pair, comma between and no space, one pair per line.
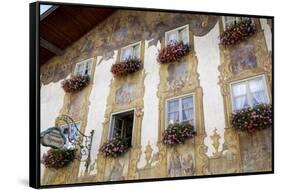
61,26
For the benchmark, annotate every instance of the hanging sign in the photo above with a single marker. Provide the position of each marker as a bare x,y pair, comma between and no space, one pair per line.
53,137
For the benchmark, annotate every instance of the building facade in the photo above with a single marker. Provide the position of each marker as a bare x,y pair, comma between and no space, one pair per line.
204,88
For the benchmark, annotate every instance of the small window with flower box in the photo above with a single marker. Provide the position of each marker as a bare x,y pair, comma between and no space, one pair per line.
177,35
83,68
120,134
230,21
249,93
131,51
129,61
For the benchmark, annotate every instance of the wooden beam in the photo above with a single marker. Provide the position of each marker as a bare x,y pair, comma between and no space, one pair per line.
48,12
50,47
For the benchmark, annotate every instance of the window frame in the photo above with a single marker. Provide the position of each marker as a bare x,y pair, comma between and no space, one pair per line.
130,45
77,123
248,93
180,106
84,64
110,131
178,29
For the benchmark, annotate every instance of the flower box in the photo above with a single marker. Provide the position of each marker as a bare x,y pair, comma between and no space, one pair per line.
114,147
238,33
126,67
75,83
178,133
252,119
58,158
173,52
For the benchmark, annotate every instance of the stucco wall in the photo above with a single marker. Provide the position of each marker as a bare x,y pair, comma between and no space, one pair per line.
103,43
208,62
149,133
98,104
52,96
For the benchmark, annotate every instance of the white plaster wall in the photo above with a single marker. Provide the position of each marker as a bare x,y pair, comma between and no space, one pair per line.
149,133
267,33
208,62
98,98
52,97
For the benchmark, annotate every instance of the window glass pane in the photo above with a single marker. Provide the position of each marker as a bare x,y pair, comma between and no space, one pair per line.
173,106
172,37
187,102
240,102
173,117
239,89
136,51
187,114
259,98
126,53
183,35
256,85
117,130
229,21
257,91
70,133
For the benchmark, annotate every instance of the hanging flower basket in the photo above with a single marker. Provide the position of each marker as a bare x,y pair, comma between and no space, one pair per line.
58,158
75,83
252,119
114,147
173,52
238,33
177,133
126,67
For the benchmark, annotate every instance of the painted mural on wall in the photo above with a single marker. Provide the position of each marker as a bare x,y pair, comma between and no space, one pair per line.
242,58
125,94
124,28
242,153
177,76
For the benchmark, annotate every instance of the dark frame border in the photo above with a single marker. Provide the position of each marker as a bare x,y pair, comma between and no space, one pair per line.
34,95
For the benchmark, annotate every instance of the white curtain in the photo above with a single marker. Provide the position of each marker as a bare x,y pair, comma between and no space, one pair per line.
126,53
257,91
173,111
183,35
136,50
172,37
187,109
239,92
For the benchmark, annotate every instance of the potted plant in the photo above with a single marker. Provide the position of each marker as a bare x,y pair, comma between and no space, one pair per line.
238,32
75,83
252,119
173,52
114,147
58,158
130,65
178,133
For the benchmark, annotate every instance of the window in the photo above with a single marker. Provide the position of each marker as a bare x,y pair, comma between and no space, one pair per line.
130,51
177,35
122,125
249,93
231,20
83,68
180,110
70,136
